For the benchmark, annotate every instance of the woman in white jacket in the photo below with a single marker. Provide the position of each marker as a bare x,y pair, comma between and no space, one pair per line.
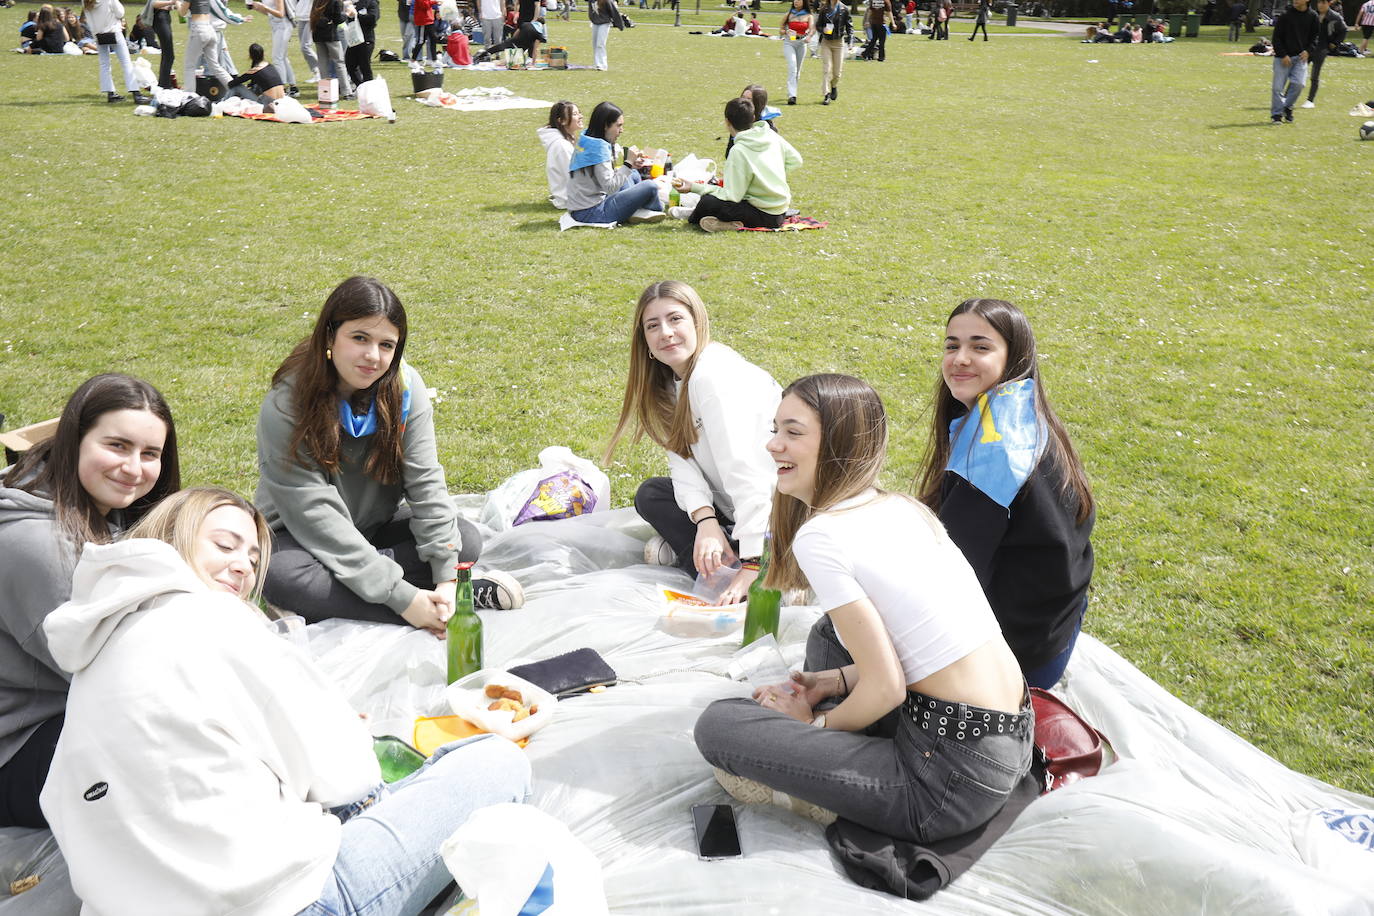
103,18
558,137
713,411
209,767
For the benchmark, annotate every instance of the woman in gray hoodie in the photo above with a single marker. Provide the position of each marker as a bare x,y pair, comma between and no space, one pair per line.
113,456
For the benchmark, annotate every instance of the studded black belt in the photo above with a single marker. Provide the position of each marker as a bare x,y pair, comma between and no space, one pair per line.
960,721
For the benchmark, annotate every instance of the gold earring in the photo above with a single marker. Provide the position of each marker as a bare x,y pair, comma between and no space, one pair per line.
651,355
328,353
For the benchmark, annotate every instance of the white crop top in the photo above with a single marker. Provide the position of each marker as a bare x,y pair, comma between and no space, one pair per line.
883,548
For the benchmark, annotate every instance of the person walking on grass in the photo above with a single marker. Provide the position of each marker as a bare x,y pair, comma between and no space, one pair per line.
835,30
796,23
603,14
1330,33
1295,41
1365,20
876,14
984,12
1239,10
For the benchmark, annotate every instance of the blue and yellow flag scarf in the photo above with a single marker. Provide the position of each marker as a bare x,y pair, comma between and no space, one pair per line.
589,151
366,425
997,445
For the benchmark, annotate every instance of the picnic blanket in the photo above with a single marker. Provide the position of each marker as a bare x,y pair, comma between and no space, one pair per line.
500,65
1189,819
791,224
317,115
478,98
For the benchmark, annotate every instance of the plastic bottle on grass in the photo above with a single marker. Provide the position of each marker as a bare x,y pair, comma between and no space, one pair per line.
765,604
464,630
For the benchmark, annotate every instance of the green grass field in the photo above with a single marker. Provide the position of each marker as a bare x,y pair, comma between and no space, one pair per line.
1199,280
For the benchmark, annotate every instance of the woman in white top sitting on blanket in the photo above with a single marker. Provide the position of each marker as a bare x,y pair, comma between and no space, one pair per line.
710,409
208,766
911,717
558,137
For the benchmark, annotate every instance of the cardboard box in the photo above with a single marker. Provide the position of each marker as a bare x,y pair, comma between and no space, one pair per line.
18,441
558,58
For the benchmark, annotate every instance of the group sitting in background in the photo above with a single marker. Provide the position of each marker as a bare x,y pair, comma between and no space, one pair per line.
1128,34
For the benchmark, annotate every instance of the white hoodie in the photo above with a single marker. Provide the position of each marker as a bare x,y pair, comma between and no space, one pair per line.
200,750
557,154
733,403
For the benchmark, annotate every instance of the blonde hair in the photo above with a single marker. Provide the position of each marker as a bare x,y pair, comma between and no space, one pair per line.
650,404
177,520
853,428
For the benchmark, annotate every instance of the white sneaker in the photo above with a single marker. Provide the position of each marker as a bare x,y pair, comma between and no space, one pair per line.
658,553
645,216
1308,104
681,212
314,77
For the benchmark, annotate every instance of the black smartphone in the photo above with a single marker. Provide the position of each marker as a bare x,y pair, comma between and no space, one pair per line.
716,834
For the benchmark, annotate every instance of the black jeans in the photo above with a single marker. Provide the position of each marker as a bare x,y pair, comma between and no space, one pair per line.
524,37
976,27
300,583
358,61
877,45
23,775
1314,74
732,211
162,28
656,504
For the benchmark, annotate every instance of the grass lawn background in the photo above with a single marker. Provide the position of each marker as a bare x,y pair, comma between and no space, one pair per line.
1199,282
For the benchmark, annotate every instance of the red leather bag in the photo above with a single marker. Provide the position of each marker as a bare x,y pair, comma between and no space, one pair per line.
1070,748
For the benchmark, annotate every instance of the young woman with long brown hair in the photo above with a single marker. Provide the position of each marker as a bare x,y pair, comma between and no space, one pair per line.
709,409
1000,471
350,481
933,725
113,456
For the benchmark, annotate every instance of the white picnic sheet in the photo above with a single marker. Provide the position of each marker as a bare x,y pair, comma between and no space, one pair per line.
478,98
1190,819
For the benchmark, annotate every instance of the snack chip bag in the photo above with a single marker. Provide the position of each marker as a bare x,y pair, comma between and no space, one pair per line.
561,495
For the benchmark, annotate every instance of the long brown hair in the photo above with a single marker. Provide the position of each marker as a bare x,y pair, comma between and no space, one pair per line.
853,427
51,468
178,518
315,383
1022,362
650,404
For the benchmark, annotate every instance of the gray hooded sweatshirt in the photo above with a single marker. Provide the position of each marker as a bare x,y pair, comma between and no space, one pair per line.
36,564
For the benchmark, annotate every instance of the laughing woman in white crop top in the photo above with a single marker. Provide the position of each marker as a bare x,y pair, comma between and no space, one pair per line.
908,686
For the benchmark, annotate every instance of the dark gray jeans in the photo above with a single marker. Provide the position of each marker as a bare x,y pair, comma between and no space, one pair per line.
895,777
299,583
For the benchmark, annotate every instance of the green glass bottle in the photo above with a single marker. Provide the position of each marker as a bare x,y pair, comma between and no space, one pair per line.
765,604
464,630
397,759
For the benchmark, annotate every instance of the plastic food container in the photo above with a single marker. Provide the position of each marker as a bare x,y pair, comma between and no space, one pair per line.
467,698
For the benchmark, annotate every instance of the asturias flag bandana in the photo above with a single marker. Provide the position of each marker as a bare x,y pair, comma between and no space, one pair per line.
997,445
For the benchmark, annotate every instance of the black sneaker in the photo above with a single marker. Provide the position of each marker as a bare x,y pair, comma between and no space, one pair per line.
113,97
834,93
141,98
1288,115
791,100
496,591
1276,119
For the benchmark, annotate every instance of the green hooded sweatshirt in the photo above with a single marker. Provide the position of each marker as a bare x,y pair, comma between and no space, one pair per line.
756,170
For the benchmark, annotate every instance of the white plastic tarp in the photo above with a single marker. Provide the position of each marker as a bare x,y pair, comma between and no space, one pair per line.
1191,819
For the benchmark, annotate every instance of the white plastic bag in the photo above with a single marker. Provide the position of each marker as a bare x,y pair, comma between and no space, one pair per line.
505,503
694,169
512,856
144,78
374,98
289,110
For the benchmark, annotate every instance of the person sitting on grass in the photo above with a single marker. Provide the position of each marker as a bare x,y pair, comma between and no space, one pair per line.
558,138
763,112
755,194
597,191
266,81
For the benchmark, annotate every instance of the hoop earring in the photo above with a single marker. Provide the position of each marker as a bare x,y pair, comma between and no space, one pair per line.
328,353
651,355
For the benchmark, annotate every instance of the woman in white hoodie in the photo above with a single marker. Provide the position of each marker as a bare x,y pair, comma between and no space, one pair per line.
712,410
558,137
209,767
103,19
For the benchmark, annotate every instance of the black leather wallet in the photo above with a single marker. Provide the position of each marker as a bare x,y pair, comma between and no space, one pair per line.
568,674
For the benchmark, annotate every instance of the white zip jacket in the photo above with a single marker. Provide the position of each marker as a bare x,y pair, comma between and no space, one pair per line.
733,403
200,751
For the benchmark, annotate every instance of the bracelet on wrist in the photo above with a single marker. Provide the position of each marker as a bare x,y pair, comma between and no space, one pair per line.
698,521
750,564
843,681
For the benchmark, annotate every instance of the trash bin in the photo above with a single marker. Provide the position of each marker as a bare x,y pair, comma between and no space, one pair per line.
1011,14
1175,25
1194,20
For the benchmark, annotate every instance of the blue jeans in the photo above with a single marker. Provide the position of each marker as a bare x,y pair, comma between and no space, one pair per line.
388,861
1048,674
636,195
1288,83
894,777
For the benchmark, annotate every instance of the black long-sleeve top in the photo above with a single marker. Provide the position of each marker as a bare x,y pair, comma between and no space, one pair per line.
1295,31
1035,562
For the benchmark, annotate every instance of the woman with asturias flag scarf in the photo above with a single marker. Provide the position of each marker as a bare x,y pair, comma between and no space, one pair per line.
597,191
1004,478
